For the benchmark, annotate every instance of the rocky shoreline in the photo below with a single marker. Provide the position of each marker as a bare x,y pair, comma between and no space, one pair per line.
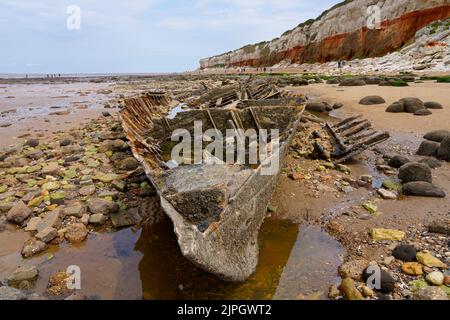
64,188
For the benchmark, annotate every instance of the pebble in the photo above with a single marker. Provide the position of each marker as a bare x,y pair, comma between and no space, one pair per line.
8,293
47,234
429,260
76,233
412,268
97,219
101,206
23,274
405,253
353,269
430,293
33,247
385,194
18,213
349,290
435,278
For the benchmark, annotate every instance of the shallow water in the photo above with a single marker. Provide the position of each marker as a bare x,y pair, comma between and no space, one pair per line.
295,261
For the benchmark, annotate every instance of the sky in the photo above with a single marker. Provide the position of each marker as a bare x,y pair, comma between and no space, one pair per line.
137,36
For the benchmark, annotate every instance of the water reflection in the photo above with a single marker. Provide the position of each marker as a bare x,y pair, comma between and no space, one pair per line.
294,262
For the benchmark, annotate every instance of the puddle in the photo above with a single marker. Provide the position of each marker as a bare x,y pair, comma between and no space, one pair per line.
178,109
146,264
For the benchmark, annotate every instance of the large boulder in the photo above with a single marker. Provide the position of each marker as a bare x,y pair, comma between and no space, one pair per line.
372,100
444,150
428,148
412,104
396,107
437,135
352,82
422,189
411,172
398,161
433,105
316,107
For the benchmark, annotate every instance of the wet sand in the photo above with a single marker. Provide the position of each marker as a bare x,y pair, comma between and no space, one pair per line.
298,258
396,122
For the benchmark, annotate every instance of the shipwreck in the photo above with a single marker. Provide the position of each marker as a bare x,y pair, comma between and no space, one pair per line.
216,207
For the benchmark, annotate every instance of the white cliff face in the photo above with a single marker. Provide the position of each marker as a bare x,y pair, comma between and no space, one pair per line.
339,22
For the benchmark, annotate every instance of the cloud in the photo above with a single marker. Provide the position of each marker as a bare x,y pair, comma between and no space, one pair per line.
139,35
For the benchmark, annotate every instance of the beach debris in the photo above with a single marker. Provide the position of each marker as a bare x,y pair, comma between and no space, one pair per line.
349,138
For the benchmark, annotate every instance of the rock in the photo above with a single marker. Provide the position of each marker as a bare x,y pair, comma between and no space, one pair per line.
97,219
76,210
85,219
372,100
333,292
47,235
23,274
119,185
352,82
106,114
416,285
435,278
52,169
431,162
387,234
353,269
429,260
19,213
33,143
428,148
147,190
433,105
396,108
102,206
440,226
106,178
367,292
412,268
437,135
387,283
349,290
343,168
11,294
398,161
316,107
412,172
87,190
391,185
33,247
423,189
338,105
444,150
405,253
65,142
76,233
423,112
51,220
51,186
371,207
412,104
32,224
430,293
129,164
447,280
385,194
126,218
57,284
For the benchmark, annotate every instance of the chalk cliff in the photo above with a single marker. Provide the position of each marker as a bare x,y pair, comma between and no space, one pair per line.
340,33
